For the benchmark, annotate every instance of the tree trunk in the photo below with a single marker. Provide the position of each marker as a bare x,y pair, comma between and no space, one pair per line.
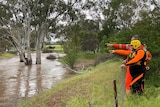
29,58
28,36
18,42
38,50
20,51
39,42
21,57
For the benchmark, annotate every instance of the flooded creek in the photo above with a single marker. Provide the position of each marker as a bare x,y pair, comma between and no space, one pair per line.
18,81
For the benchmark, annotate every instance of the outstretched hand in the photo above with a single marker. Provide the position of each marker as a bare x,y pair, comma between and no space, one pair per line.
123,66
108,44
111,51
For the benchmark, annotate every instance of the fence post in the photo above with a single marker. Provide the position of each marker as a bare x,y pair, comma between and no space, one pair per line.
115,93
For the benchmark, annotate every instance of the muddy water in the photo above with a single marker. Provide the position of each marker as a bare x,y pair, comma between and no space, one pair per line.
18,81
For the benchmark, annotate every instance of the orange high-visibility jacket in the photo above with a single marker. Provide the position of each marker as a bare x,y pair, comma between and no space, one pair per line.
140,54
128,47
122,46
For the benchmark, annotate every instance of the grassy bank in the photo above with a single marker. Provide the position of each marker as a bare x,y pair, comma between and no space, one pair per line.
94,88
6,55
54,48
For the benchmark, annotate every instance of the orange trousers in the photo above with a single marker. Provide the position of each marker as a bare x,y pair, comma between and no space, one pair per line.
128,79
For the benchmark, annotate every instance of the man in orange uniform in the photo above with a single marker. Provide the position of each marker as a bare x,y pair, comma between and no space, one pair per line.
136,62
128,47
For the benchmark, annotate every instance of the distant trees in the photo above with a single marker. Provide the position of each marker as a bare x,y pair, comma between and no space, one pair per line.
80,36
147,27
156,4
121,15
19,18
86,31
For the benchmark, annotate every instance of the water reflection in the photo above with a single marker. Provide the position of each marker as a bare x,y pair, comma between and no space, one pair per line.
18,81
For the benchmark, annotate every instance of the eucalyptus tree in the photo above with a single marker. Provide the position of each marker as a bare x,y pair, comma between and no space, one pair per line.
118,15
50,15
12,23
21,17
90,17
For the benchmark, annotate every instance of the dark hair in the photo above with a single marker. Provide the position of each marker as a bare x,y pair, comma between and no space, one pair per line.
136,37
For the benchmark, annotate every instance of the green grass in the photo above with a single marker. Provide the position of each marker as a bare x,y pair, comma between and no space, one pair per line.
94,88
6,55
58,48
90,55
87,55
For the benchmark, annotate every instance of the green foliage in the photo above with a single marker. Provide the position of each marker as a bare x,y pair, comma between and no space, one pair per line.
70,58
102,44
149,36
89,55
52,48
58,48
46,50
108,28
121,37
86,31
71,49
77,35
89,41
154,72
